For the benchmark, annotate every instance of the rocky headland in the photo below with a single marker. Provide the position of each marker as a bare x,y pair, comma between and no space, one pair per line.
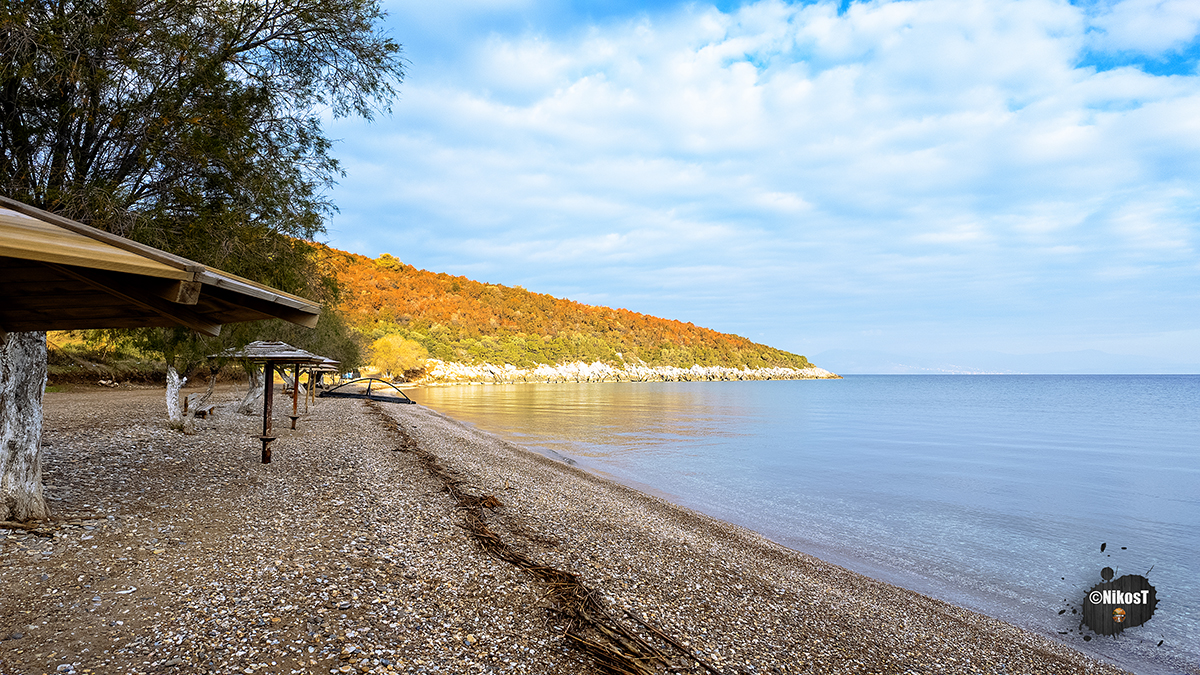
441,372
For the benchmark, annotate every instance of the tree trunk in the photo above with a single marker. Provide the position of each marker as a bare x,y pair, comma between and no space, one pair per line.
289,384
175,418
248,406
22,382
174,410
196,401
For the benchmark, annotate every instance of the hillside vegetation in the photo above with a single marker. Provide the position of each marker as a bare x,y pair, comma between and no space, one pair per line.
459,320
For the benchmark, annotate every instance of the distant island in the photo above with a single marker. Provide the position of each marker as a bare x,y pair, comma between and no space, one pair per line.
451,329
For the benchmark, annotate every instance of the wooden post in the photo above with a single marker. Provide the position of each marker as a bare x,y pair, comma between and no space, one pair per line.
295,392
268,397
311,397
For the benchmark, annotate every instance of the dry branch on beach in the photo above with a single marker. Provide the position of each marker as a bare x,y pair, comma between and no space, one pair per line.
589,625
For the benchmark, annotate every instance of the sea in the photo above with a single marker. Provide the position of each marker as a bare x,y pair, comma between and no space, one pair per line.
1004,494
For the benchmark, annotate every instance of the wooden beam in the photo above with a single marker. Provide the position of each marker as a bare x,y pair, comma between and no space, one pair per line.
32,239
87,303
182,292
16,285
246,287
108,238
199,281
176,313
304,317
13,325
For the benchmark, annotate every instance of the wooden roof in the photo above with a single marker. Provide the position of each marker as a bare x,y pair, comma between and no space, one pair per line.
276,352
58,274
326,365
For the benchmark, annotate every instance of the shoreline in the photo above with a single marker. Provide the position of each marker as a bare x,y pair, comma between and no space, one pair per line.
444,373
844,562
347,556
618,451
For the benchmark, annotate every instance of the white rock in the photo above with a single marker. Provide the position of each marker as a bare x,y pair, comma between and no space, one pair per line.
442,372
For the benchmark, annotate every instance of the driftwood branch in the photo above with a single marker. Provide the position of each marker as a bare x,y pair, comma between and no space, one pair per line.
196,402
590,628
31,528
671,641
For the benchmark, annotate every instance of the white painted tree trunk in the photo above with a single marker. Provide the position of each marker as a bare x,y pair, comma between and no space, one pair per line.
253,396
174,408
22,382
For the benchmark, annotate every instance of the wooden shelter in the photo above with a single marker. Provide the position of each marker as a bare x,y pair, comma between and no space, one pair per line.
316,373
58,274
275,355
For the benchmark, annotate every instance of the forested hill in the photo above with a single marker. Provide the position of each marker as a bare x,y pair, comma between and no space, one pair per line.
460,320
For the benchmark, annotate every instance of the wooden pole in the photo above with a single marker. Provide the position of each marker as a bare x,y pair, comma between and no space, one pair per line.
295,392
308,393
268,398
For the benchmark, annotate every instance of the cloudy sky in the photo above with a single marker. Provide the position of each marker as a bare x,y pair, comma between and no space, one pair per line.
920,177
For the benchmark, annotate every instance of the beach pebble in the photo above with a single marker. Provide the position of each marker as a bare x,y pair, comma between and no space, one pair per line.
343,556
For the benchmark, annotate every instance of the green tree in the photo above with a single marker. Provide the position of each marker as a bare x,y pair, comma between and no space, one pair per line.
190,125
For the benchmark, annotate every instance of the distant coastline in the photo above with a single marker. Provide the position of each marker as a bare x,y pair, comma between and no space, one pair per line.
445,373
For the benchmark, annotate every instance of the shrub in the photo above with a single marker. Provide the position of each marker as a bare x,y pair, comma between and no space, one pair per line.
396,356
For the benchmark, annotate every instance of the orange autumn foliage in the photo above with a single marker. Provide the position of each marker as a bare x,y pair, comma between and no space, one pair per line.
458,319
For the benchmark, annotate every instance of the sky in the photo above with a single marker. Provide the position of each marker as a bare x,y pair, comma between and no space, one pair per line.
927,176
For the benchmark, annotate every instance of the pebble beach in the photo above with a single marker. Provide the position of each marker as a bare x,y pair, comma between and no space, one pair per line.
389,538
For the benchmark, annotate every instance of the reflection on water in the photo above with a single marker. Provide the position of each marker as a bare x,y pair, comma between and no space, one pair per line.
991,492
612,421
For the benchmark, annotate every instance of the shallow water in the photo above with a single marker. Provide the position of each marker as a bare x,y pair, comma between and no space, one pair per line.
991,492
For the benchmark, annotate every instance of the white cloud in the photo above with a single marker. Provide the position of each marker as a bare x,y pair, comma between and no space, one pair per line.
940,153
1147,26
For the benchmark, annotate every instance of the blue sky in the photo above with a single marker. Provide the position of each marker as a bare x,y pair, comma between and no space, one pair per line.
918,177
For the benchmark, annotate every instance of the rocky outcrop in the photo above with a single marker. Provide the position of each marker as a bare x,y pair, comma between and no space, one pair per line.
441,372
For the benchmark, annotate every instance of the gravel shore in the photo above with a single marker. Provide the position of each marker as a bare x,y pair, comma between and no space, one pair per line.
388,538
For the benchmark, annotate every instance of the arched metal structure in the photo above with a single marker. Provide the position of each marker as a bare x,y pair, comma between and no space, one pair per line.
336,393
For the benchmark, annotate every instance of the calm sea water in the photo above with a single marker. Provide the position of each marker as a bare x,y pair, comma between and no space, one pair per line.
991,492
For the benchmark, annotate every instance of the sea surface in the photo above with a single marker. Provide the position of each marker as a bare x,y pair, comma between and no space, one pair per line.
994,493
